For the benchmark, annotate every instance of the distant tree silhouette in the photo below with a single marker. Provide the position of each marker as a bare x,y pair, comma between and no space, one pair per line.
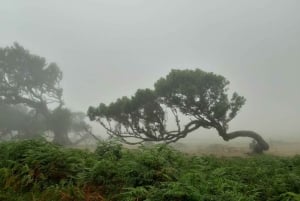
29,89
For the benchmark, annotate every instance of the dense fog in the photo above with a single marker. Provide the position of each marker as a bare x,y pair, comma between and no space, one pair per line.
107,49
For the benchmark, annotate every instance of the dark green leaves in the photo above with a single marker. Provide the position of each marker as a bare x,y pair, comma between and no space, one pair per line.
198,95
38,170
24,75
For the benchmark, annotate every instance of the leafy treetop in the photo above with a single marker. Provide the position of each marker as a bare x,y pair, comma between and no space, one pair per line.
201,95
27,79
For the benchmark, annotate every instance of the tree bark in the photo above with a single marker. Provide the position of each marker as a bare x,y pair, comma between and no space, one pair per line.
258,145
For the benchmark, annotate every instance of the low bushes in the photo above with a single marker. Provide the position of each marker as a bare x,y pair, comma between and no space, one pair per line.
38,170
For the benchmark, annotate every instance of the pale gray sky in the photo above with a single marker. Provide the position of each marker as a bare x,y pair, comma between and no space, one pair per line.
110,48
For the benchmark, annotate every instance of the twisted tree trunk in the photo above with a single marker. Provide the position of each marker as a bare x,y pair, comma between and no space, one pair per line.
258,145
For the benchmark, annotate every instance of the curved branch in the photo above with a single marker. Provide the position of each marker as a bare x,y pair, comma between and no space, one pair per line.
258,146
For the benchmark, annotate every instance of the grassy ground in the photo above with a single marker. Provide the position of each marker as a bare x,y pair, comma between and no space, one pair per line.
38,170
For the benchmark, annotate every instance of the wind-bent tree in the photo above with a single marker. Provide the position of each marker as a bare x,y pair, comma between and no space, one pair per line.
27,80
195,98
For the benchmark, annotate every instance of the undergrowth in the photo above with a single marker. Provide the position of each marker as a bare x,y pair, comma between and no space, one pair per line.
41,171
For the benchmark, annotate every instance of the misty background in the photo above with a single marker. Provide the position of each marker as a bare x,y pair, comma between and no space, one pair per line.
109,48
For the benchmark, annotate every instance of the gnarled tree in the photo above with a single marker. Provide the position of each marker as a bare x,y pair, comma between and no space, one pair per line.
196,95
28,81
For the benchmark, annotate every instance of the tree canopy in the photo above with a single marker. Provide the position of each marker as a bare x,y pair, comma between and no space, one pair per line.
199,96
31,97
27,79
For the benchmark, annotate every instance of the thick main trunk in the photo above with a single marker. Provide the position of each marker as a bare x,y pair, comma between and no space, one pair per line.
61,138
258,145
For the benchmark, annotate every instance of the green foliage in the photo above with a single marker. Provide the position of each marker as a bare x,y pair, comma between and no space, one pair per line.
200,96
150,166
199,93
40,166
38,170
27,78
109,149
140,116
28,84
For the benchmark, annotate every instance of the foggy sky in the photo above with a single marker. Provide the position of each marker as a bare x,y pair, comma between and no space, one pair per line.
110,48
